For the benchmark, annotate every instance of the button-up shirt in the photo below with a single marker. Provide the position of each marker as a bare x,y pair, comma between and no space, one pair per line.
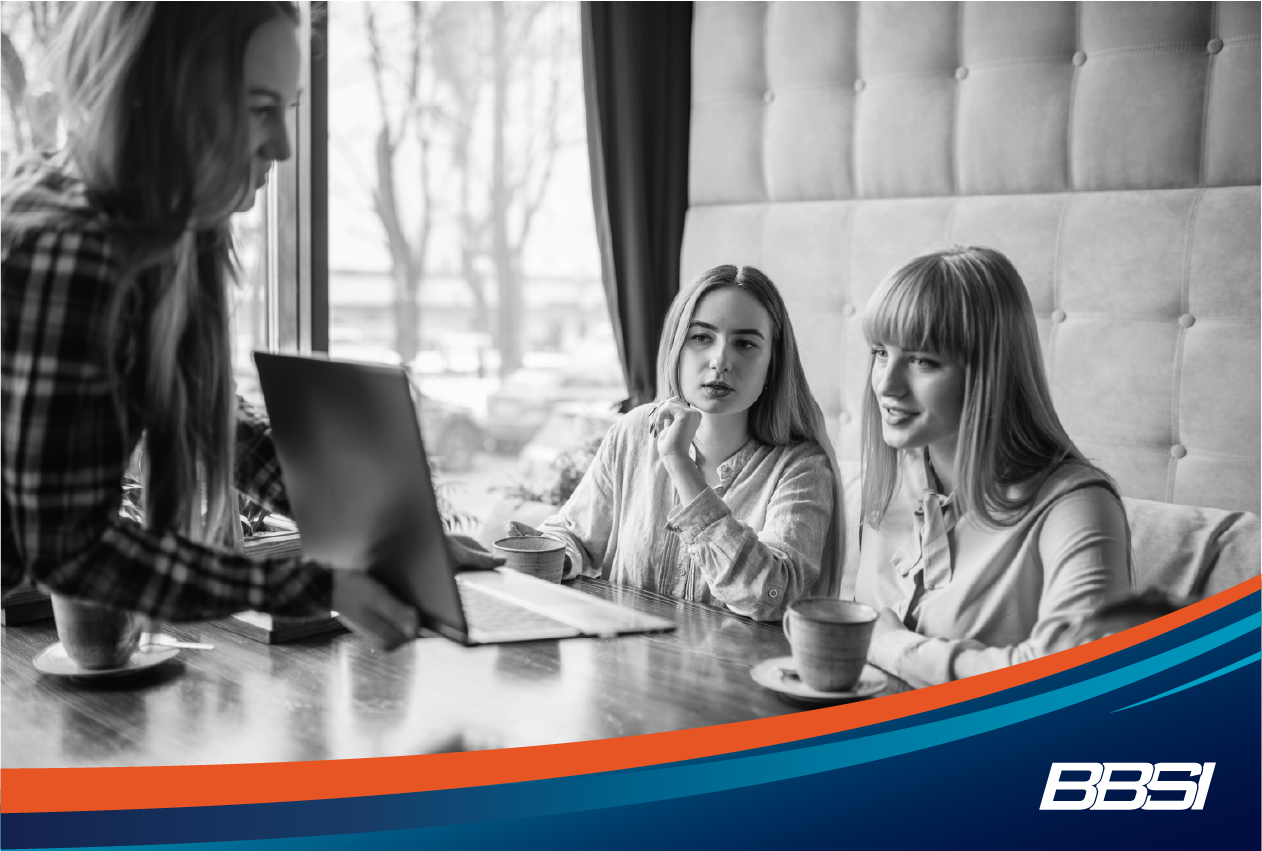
976,598
65,447
753,543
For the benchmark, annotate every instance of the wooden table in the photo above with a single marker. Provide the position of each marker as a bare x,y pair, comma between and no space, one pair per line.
335,697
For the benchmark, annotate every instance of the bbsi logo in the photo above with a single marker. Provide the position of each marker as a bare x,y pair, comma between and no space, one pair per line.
1092,793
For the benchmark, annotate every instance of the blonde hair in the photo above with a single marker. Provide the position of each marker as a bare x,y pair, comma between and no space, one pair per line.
786,413
970,306
153,97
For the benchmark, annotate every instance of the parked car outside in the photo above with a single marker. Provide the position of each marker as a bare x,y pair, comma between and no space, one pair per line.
451,431
569,426
516,411
452,436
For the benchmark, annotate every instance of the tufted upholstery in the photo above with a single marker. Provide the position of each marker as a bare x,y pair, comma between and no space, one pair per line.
1110,149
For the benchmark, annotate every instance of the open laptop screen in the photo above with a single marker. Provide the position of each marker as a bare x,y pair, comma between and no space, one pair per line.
359,486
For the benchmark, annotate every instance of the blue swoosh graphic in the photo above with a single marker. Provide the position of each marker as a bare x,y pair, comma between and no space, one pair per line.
681,781
1227,670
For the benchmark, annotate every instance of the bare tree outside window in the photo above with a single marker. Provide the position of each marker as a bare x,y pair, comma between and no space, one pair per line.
479,99
462,241
30,104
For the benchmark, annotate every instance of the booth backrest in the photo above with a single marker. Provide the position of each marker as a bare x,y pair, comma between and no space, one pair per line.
1110,149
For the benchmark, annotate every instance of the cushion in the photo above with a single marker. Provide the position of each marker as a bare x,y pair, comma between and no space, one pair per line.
1186,551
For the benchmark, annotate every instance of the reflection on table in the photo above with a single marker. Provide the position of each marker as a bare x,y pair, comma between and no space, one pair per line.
336,697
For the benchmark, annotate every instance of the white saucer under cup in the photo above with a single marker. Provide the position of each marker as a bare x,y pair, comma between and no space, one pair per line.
780,676
55,661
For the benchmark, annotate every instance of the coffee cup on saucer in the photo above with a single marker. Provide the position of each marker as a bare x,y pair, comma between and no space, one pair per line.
829,638
537,556
95,636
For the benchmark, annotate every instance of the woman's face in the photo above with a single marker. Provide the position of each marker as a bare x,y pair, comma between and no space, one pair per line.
920,395
272,66
726,355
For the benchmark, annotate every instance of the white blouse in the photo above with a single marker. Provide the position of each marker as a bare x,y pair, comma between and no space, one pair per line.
976,598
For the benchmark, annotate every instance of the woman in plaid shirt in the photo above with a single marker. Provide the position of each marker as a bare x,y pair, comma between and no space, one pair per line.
117,258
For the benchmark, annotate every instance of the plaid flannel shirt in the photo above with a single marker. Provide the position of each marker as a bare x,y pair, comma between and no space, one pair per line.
66,449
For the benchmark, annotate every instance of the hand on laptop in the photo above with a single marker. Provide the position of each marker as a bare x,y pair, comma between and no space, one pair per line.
469,553
368,608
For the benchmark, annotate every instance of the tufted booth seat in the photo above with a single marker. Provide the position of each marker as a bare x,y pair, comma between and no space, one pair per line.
1110,149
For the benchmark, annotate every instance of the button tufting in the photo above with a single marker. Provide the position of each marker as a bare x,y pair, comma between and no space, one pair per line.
1178,451
859,85
773,593
1215,45
848,310
845,418
961,73
1187,320
1080,58
768,96
1058,315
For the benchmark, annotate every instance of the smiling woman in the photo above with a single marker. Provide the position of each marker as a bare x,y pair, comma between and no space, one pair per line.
988,535
726,490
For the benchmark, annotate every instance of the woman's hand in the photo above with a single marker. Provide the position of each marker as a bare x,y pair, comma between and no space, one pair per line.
369,609
467,552
517,529
674,423
886,622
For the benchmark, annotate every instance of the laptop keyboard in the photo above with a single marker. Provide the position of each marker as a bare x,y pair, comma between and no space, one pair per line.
488,613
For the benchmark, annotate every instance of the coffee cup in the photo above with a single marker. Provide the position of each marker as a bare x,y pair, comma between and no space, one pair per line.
542,557
95,636
830,640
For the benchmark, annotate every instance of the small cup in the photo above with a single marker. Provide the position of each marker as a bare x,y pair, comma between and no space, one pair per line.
95,636
542,557
830,640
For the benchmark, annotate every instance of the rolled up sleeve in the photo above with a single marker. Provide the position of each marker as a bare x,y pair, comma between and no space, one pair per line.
758,574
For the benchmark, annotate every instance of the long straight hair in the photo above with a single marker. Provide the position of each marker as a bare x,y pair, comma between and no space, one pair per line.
153,97
970,306
786,413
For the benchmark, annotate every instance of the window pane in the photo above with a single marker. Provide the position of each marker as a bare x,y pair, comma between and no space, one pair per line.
462,241
30,112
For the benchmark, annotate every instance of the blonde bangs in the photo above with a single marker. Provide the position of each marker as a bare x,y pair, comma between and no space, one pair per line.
917,309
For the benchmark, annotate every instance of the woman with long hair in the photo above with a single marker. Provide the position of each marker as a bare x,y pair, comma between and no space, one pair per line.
986,534
117,261
726,491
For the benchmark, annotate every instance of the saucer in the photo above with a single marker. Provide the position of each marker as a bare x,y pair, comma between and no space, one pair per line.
780,676
54,660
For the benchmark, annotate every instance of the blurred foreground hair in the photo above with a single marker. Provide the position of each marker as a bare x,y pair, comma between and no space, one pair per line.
153,97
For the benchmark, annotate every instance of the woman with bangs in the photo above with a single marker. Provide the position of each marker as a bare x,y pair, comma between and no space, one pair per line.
986,536
117,259
726,491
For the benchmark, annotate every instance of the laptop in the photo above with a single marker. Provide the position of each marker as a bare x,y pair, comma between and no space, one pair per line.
349,442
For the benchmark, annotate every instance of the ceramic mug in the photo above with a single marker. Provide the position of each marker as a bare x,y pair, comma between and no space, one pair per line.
95,636
535,556
830,640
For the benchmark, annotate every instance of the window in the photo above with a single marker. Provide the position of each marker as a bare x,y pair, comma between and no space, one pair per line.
462,242
30,120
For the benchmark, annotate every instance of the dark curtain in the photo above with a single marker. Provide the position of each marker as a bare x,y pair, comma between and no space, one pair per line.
637,70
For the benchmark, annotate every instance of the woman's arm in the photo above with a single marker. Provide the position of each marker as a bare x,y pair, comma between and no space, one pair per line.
257,469
65,451
1083,548
758,574
585,523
